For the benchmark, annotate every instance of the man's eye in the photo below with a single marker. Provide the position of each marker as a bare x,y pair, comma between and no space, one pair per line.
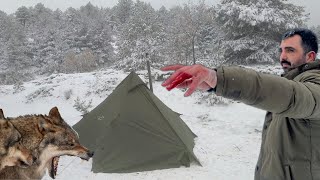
290,50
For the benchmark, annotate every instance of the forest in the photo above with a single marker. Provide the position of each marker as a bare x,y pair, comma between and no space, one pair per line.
41,41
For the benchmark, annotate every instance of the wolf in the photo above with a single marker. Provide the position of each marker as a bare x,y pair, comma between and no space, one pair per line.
12,153
48,137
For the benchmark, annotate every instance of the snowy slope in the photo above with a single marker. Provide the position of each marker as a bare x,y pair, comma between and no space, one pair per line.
228,136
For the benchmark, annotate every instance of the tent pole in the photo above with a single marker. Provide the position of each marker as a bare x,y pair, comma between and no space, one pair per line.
149,73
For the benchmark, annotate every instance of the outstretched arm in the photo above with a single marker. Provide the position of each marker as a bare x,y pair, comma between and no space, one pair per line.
299,98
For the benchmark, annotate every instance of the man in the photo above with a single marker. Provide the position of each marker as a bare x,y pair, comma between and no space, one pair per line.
290,147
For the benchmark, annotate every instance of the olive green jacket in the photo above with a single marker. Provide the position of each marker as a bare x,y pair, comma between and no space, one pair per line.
290,148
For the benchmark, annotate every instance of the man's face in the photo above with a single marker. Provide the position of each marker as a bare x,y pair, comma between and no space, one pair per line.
292,53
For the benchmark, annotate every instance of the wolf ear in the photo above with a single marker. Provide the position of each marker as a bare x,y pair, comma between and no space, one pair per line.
5,124
44,126
1,114
54,113
9,124
3,150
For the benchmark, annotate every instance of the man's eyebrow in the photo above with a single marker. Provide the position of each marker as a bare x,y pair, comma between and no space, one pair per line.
287,48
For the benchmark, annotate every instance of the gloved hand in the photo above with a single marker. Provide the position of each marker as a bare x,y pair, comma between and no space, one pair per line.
191,77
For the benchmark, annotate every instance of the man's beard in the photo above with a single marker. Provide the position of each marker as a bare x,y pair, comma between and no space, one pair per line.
288,65
287,68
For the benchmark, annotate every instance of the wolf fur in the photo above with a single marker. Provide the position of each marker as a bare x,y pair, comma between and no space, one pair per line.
12,153
48,137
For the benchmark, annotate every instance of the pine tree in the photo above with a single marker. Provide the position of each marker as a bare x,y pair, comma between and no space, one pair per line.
18,62
178,44
5,22
253,28
23,15
140,37
123,10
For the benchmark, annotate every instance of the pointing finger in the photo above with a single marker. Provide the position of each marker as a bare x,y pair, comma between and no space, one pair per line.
178,80
171,78
172,67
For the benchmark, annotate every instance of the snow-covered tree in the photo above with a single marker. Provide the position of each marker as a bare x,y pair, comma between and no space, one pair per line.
178,45
140,37
190,32
123,10
95,34
83,62
18,62
253,28
16,49
23,15
5,22
40,40
316,30
194,16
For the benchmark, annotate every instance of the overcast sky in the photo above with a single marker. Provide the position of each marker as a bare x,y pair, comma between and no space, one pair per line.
10,6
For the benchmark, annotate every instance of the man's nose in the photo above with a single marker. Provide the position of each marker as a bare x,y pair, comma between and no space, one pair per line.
283,55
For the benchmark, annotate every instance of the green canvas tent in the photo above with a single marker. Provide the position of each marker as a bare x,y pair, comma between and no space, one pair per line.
132,130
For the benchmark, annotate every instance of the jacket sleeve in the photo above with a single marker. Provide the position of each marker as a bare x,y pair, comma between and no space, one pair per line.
289,98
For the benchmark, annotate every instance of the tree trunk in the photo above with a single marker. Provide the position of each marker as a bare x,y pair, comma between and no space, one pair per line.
193,49
186,54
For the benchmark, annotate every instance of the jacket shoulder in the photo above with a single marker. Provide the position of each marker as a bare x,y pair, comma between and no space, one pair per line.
312,76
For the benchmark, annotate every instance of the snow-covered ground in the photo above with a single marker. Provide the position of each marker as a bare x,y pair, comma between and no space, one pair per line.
228,139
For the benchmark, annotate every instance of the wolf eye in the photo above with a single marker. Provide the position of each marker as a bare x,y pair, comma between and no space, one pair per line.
72,144
11,143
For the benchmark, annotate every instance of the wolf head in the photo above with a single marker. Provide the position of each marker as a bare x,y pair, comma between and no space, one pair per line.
12,153
59,139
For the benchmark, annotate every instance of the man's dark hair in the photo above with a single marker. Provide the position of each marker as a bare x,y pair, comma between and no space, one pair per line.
309,39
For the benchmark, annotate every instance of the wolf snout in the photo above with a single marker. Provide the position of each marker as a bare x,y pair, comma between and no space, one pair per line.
87,155
30,160
25,162
90,153
34,158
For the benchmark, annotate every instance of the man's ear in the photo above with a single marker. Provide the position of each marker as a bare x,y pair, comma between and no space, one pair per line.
311,56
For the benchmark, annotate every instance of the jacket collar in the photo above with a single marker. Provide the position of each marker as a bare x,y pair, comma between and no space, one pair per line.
293,72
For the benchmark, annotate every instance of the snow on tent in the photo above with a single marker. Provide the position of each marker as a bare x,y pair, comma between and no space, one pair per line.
132,130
